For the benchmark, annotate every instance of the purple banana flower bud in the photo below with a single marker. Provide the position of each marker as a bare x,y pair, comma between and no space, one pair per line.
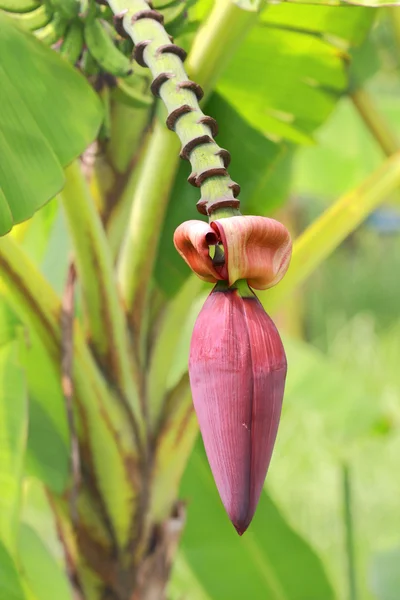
237,363
237,371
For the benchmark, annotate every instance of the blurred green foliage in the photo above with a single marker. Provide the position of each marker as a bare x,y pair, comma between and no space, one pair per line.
296,146
342,403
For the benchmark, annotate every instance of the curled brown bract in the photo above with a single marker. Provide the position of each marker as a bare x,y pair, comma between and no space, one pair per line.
193,239
257,249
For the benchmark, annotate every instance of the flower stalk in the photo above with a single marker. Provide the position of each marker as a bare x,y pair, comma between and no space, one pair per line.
181,96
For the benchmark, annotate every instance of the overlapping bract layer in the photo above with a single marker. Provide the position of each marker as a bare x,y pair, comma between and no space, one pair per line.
237,370
256,249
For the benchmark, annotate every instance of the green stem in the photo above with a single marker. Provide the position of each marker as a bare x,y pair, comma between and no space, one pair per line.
139,248
105,317
181,96
375,122
103,427
325,234
223,213
349,531
150,193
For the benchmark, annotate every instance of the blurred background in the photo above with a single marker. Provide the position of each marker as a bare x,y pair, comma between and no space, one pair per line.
334,476
328,524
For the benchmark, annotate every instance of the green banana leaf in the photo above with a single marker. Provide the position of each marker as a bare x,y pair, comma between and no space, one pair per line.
48,450
341,162
10,585
294,71
338,163
40,570
41,129
349,25
34,435
47,444
13,431
47,454
269,562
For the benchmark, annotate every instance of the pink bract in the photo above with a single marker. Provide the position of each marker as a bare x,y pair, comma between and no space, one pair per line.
237,371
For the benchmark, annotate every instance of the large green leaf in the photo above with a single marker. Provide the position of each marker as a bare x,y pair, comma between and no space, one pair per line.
346,152
49,114
13,429
271,561
10,585
48,441
286,78
41,571
47,445
385,575
345,155
36,512
350,26
47,453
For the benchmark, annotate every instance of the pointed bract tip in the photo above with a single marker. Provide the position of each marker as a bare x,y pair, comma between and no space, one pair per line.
241,529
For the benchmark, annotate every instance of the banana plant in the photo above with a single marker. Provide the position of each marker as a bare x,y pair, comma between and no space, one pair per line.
97,336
